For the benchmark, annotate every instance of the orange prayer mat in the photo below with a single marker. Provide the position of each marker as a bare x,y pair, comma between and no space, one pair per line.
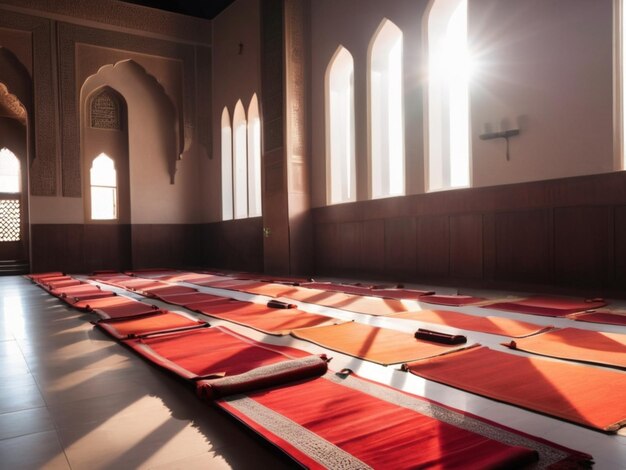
607,317
350,302
373,344
578,393
149,324
577,345
547,306
463,321
452,300
274,321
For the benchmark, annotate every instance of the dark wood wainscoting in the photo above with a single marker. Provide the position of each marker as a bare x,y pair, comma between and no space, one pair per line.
568,234
234,244
78,248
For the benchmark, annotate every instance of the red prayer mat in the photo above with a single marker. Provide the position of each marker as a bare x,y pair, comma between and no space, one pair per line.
123,310
274,321
584,395
167,289
572,344
547,306
463,321
353,303
91,304
345,422
346,288
207,352
52,285
37,276
159,322
75,290
75,299
380,345
601,316
190,298
396,293
452,300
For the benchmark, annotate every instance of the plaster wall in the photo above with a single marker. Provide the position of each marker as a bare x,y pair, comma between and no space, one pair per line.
543,66
236,76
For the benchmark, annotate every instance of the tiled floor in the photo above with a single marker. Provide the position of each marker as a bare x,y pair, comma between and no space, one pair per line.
70,397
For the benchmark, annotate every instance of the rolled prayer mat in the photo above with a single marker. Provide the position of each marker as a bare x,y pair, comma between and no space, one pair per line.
439,337
263,377
279,304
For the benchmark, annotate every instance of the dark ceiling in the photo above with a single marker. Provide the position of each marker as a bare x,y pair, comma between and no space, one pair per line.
207,9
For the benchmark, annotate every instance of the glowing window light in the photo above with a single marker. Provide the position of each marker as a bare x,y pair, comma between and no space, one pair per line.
448,96
103,178
386,112
340,127
10,175
227,167
240,162
254,158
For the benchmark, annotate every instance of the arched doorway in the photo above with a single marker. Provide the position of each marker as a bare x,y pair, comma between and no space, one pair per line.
14,246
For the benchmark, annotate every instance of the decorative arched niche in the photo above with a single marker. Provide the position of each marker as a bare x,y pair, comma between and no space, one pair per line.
152,120
17,148
104,133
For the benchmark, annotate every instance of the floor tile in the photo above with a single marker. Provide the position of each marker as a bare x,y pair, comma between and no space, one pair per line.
29,421
40,450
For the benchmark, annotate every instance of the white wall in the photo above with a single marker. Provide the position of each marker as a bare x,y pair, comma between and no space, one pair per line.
236,76
544,65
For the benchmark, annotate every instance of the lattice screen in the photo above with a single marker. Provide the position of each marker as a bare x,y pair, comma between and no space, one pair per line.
9,220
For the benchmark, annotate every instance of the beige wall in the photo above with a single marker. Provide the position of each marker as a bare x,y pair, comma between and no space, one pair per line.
235,77
545,66
352,23
113,32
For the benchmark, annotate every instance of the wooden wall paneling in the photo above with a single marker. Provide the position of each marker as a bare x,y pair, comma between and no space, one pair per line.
348,248
489,247
107,246
523,246
325,260
372,256
583,246
57,247
433,246
234,244
619,278
400,248
466,246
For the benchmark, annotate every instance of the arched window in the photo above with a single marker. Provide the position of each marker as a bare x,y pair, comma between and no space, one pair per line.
340,128
103,181
448,96
254,158
227,167
386,111
10,208
10,175
240,162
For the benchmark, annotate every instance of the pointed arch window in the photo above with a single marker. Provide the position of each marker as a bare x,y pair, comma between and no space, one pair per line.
448,96
227,167
386,112
254,159
240,162
10,206
10,174
340,127
103,181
